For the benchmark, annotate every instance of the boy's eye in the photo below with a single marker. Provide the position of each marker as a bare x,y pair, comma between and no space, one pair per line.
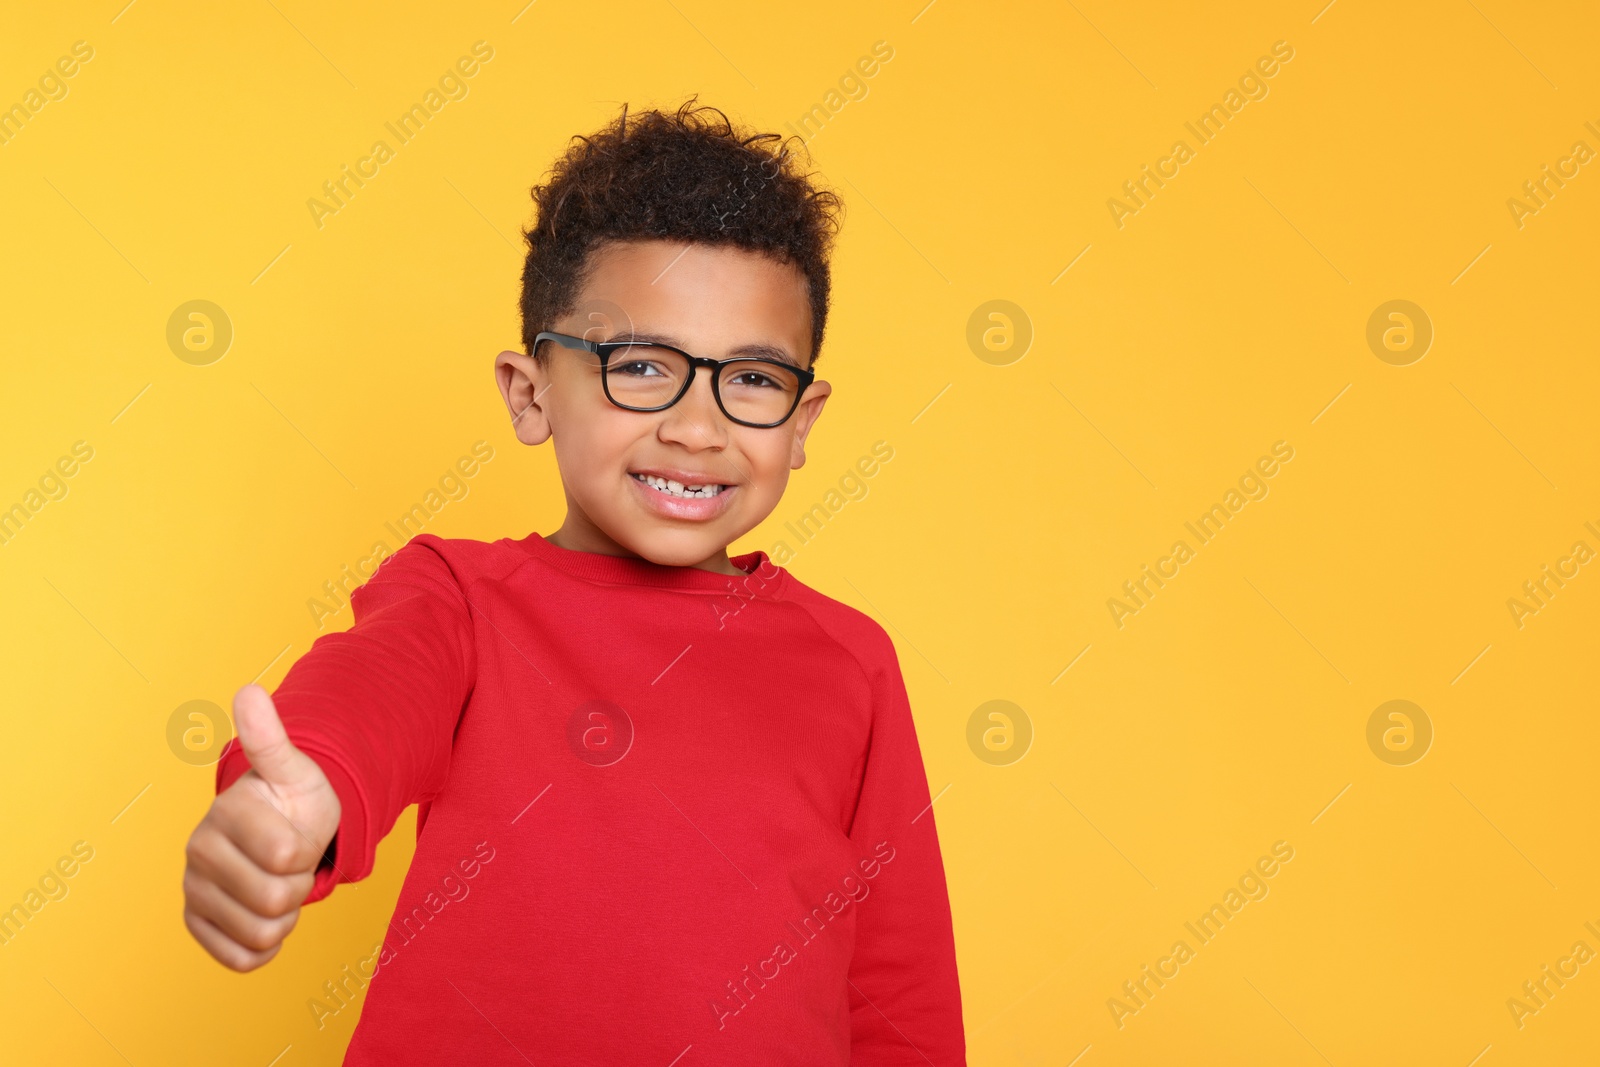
641,368
754,379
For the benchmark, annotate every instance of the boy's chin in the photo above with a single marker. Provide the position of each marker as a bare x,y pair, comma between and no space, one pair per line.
677,548
683,552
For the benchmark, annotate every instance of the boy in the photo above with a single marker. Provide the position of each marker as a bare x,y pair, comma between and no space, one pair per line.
672,809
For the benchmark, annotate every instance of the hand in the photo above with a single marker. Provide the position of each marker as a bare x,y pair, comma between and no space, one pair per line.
253,858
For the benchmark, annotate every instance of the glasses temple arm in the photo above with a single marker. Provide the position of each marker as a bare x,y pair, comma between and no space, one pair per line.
567,341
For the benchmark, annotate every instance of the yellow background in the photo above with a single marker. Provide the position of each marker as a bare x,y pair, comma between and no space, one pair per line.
1222,317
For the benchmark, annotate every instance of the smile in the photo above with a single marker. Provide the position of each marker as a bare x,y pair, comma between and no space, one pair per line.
678,489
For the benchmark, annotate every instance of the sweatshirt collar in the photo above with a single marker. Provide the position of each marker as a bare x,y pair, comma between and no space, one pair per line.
765,576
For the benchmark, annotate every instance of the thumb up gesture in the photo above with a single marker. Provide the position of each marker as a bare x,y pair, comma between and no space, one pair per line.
253,858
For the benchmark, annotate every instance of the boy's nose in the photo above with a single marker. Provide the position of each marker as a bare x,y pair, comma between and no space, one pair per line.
695,421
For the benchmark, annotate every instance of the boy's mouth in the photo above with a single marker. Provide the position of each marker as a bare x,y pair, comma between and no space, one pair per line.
703,491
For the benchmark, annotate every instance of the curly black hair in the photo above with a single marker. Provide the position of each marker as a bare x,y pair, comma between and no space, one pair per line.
689,175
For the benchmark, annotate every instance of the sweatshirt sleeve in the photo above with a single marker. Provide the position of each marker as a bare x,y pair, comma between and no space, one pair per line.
376,706
905,996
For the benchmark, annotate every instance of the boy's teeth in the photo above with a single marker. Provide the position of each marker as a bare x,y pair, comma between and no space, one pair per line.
673,488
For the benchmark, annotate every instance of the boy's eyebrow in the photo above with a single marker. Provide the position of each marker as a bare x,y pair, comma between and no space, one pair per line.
754,348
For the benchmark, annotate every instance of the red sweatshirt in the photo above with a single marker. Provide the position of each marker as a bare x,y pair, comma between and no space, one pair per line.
665,816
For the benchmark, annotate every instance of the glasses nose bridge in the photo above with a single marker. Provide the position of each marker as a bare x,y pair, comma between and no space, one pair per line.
713,368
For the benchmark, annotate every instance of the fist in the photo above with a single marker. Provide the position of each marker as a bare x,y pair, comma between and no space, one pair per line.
253,858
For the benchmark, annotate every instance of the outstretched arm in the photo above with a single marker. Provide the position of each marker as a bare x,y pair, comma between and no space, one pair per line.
369,715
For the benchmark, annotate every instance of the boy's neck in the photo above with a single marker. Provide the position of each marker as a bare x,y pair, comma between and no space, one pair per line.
577,534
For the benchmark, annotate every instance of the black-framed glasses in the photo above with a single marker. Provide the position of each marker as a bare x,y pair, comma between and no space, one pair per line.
648,376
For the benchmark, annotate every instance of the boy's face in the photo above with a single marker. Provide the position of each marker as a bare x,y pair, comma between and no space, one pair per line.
707,300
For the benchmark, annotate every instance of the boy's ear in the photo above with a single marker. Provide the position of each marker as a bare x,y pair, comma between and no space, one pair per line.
523,382
805,417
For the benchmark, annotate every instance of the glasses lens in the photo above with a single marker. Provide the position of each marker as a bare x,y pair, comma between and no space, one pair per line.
762,393
645,376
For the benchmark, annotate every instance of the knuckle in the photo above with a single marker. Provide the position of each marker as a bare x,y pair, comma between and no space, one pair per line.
195,849
278,898
259,936
281,854
227,800
233,963
231,955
